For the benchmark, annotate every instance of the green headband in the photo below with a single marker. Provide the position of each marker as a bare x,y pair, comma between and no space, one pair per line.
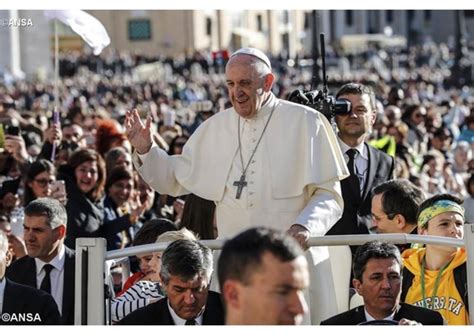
439,207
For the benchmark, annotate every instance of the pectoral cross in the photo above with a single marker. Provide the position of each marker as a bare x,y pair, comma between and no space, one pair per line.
240,186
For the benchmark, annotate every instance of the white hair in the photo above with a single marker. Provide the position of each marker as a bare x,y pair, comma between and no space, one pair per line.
171,236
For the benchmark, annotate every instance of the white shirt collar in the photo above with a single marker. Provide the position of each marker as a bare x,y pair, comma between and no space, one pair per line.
361,148
57,261
265,110
180,322
369,317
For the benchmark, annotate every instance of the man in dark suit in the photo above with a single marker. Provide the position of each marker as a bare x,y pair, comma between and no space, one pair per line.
20,304
368,166
395,206
262,275
50,265
377,278
186,269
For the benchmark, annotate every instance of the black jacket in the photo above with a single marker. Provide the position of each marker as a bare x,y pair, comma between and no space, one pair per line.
357,315
357,213
158,313
23,271
28,306
85,217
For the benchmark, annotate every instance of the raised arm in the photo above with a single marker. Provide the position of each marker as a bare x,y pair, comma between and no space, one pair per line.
138,134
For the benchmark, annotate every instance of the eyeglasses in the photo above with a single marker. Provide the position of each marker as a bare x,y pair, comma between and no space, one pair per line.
418,115
389,216
43,182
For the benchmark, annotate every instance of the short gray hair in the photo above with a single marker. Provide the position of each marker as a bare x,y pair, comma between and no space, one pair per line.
52,209
186,259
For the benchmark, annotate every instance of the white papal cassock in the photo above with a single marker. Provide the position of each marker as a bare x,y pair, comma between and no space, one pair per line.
292,178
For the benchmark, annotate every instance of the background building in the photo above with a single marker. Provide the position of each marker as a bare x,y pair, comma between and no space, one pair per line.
174,32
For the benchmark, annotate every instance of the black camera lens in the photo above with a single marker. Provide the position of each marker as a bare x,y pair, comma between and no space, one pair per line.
342,106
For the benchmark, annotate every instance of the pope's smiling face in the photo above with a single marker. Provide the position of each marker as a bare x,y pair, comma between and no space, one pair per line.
247,86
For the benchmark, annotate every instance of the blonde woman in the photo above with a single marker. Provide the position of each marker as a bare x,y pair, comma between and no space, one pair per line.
144,292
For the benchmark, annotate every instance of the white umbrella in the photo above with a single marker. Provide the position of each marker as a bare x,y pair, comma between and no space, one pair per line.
92,32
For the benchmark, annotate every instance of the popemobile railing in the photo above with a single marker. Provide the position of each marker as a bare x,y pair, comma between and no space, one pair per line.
91,257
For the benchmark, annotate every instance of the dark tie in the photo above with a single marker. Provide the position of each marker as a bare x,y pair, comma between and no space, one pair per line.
46,283
191,322
353,179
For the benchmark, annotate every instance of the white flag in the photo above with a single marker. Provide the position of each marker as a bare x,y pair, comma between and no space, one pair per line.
88,27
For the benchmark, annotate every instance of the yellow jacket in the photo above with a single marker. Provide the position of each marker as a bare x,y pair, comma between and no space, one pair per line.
447,301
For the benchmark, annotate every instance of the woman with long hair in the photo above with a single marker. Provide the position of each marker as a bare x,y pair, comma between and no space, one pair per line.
40,182
85,179
122,207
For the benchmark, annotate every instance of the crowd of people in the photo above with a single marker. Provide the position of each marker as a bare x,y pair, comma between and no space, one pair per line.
139,156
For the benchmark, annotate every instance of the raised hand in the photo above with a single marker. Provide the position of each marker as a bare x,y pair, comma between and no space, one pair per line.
53,134
136,207
10,201
178,206
138,134
17,147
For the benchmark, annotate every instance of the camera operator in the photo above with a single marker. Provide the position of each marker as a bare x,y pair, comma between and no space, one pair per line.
368,166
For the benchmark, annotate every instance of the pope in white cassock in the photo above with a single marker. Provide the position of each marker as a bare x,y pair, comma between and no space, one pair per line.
265,161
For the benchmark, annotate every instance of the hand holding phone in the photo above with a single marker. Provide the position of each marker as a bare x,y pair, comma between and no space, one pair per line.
10,186
13,130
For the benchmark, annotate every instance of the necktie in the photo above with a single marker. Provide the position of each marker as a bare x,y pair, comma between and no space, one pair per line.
191,322
353,179
46,283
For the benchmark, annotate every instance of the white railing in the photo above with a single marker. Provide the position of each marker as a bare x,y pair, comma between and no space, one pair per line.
90,302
